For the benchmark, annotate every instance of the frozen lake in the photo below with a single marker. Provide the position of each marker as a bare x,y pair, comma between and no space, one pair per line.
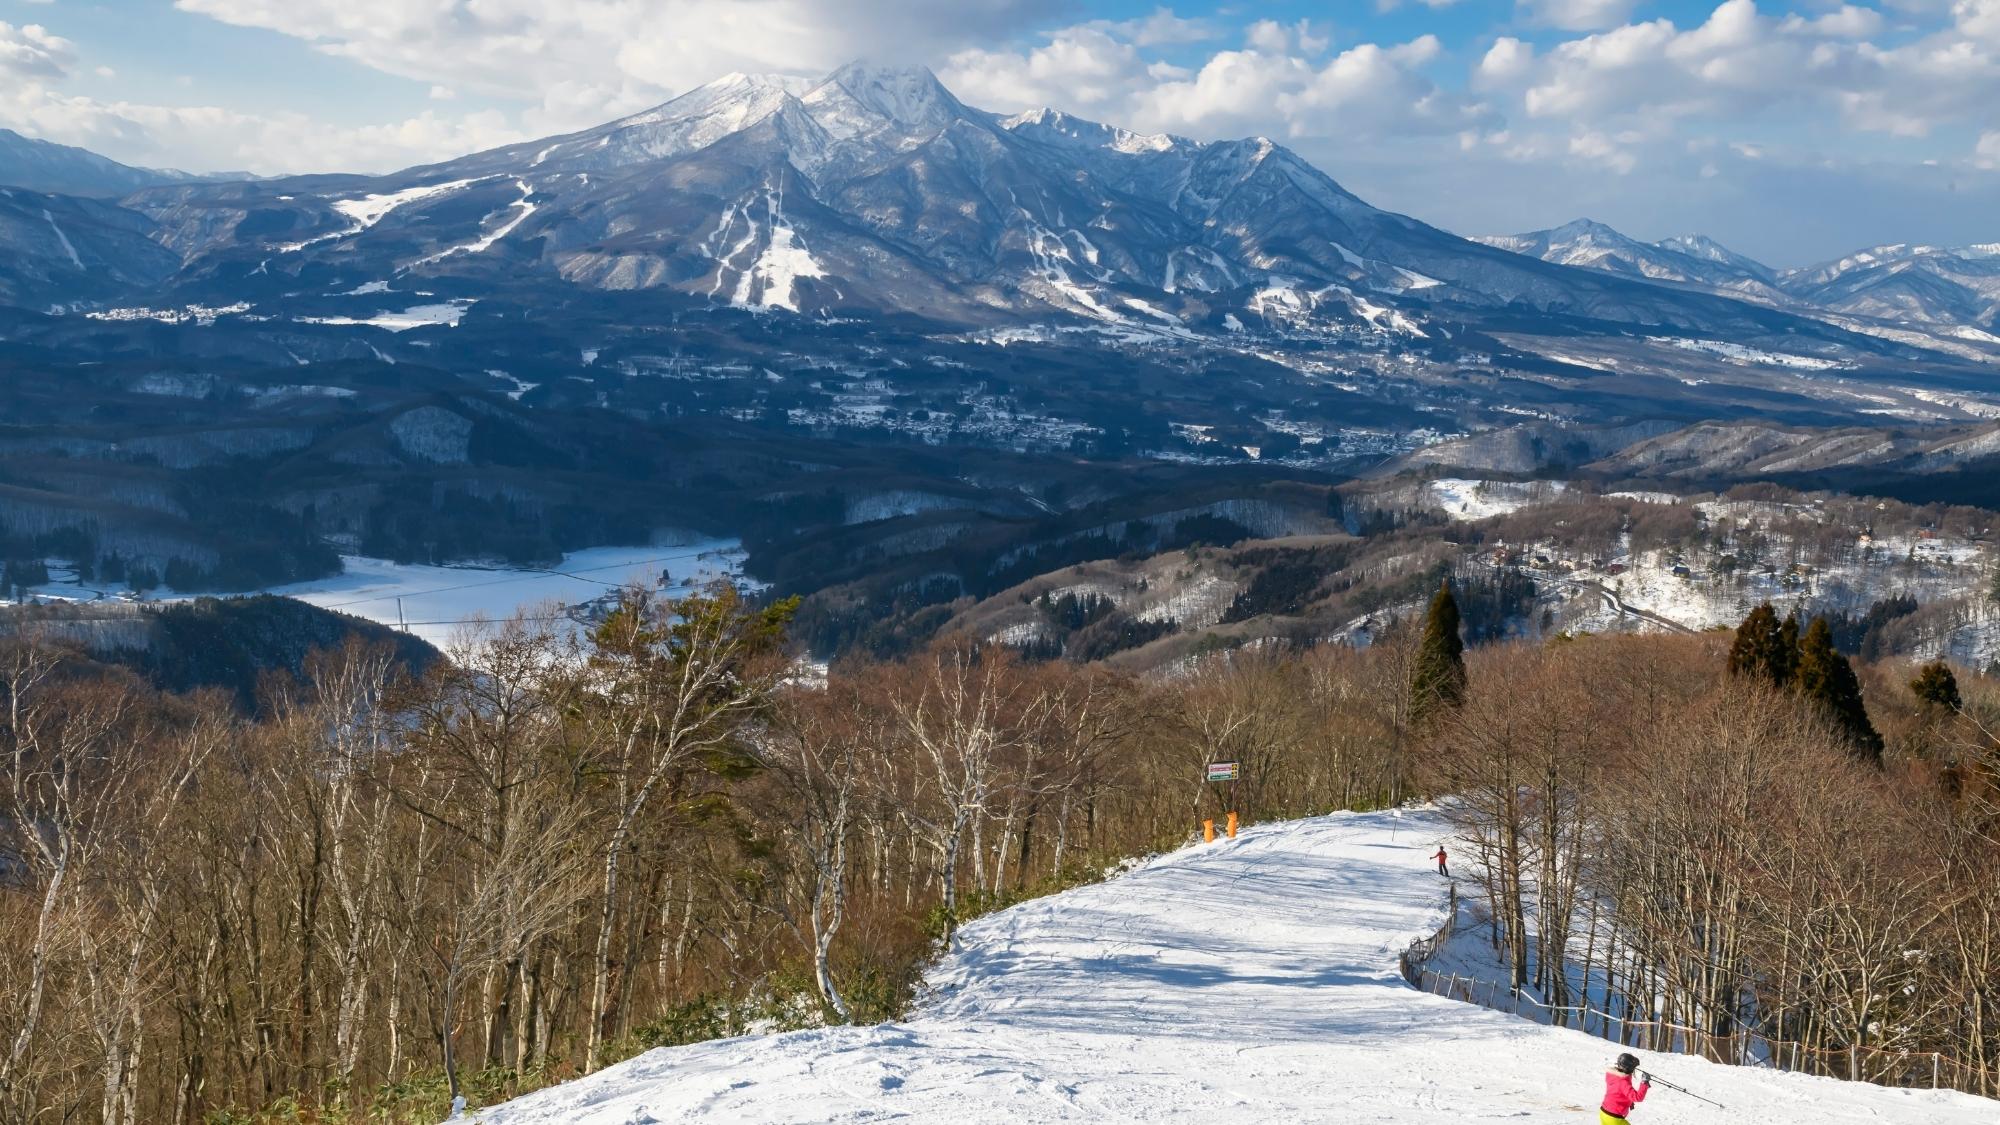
436,602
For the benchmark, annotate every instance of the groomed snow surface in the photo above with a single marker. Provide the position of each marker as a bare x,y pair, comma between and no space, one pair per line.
1252,980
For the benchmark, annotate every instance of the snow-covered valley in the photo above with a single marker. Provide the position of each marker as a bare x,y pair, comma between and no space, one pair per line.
1249,980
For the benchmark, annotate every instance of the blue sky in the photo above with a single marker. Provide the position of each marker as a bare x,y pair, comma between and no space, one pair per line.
1793,129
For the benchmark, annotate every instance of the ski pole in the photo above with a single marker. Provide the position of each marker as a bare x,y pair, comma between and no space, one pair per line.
1657,1081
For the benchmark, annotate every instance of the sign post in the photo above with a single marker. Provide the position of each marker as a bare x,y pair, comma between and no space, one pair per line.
1219,772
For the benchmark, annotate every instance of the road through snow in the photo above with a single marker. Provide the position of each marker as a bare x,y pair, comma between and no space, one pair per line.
1251,980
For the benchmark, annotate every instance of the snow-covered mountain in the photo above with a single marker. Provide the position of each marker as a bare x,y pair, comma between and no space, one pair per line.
1934,285
1695,260
1954,289
1254,979
875,190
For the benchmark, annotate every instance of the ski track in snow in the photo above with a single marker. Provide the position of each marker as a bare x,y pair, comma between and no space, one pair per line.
1252,980
523,208
368,210
62,238
770,281
784,261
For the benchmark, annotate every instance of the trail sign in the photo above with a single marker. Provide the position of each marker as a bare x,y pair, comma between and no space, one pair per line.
1223,771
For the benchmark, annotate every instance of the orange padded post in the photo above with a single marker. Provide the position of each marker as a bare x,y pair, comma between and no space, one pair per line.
1208,831
1232,826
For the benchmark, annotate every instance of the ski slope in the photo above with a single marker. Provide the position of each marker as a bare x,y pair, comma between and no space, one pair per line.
1251,980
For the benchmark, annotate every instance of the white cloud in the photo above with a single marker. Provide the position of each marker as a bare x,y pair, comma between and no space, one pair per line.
1233,92
1987,153
1162,27
1269,35
212,138
1844,22
1578,15
1600,149
1274,85
30,52
1739,63
1080,69
1978,19
1506,64
1283,38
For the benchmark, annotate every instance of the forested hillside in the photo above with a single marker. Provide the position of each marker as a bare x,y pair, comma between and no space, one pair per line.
547,853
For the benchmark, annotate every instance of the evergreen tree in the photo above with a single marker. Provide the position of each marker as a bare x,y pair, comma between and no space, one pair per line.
1825,677
1785,662
1936,684
1761,650
1438,681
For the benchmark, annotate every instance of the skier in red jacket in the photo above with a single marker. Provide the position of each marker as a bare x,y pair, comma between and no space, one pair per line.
1442,869
1622,1091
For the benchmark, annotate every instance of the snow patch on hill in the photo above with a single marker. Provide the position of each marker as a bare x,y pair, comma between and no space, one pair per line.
1739,353
368,210
1481,499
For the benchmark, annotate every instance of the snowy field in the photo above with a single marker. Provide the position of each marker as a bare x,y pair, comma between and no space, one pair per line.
438,601
1252,980
1482,499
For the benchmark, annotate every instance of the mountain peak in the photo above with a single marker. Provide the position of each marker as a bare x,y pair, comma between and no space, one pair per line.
1586,228
907,96
1706,249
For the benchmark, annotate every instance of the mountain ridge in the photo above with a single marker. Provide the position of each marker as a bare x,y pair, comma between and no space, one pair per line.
872,190
50,168
1940,287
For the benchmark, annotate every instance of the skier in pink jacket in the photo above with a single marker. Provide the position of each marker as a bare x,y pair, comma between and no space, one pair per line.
1622,1091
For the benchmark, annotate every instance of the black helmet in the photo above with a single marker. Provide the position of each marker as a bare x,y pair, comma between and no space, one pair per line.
1627,1063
